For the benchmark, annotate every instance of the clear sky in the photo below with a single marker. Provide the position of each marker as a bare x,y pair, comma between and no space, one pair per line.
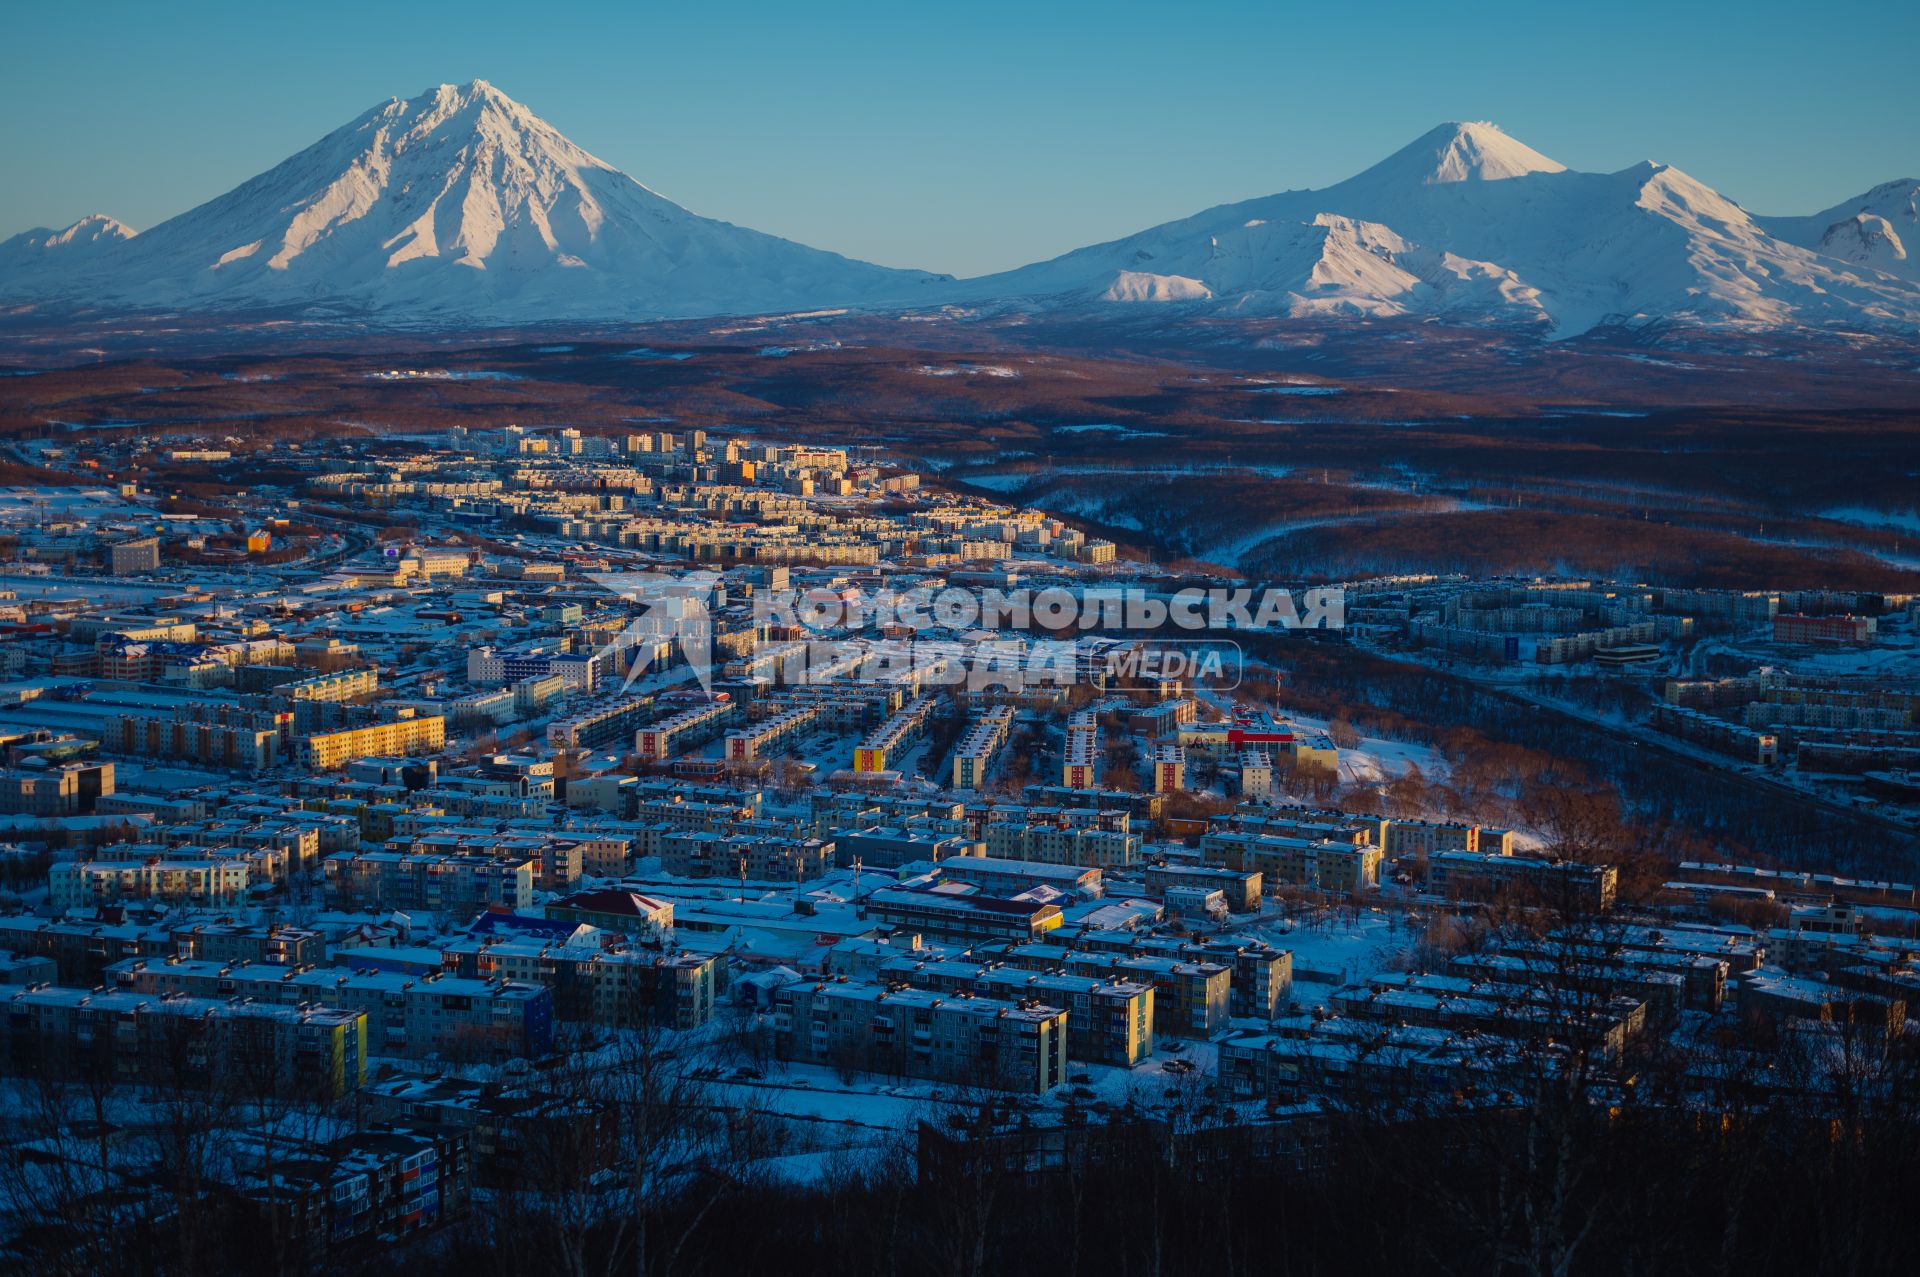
964,137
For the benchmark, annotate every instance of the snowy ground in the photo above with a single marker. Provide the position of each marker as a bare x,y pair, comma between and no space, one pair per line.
104,589
1335,945
21,507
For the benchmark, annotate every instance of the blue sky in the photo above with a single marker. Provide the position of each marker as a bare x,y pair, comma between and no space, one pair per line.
964,137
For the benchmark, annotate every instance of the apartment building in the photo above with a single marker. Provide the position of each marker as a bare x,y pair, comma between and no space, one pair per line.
222,736
1262,982
1062,844
1139,806
558,862
769,734
62,789
1846,631
1400,838
1358,1061
1302,822
1335,867
699,811
893,736
1476,876
1080,759
880,847
1256,775
1262,975
1164,718
79,884
918,1033
595,981
682,731
1108,1021
766,857
973,756
27,969
1242,888
597,725
179,1041
1191,999
1468,1005
341,685
141,554
457,883
264,942
405,1015
341,1197
80,951
581,670
330,751
1739,739
1169,769
851,809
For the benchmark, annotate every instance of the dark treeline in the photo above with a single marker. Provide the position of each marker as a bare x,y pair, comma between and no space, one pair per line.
1658,1196
1744,1148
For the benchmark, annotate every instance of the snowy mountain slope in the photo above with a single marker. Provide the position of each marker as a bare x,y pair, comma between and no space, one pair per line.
1330,265
43,254
463,203
1492,229
1879,229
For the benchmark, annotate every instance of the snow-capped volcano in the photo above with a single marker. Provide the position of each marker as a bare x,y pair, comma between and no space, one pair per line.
1469,223
1471,152
461,206
463,203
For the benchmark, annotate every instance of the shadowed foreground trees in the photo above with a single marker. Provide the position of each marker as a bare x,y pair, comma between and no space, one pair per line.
1755,1195
1748,1151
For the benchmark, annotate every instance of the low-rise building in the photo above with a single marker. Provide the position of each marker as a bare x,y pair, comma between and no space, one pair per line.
998,877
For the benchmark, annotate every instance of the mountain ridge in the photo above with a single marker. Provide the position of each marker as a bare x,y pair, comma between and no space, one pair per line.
462,205
1647,244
